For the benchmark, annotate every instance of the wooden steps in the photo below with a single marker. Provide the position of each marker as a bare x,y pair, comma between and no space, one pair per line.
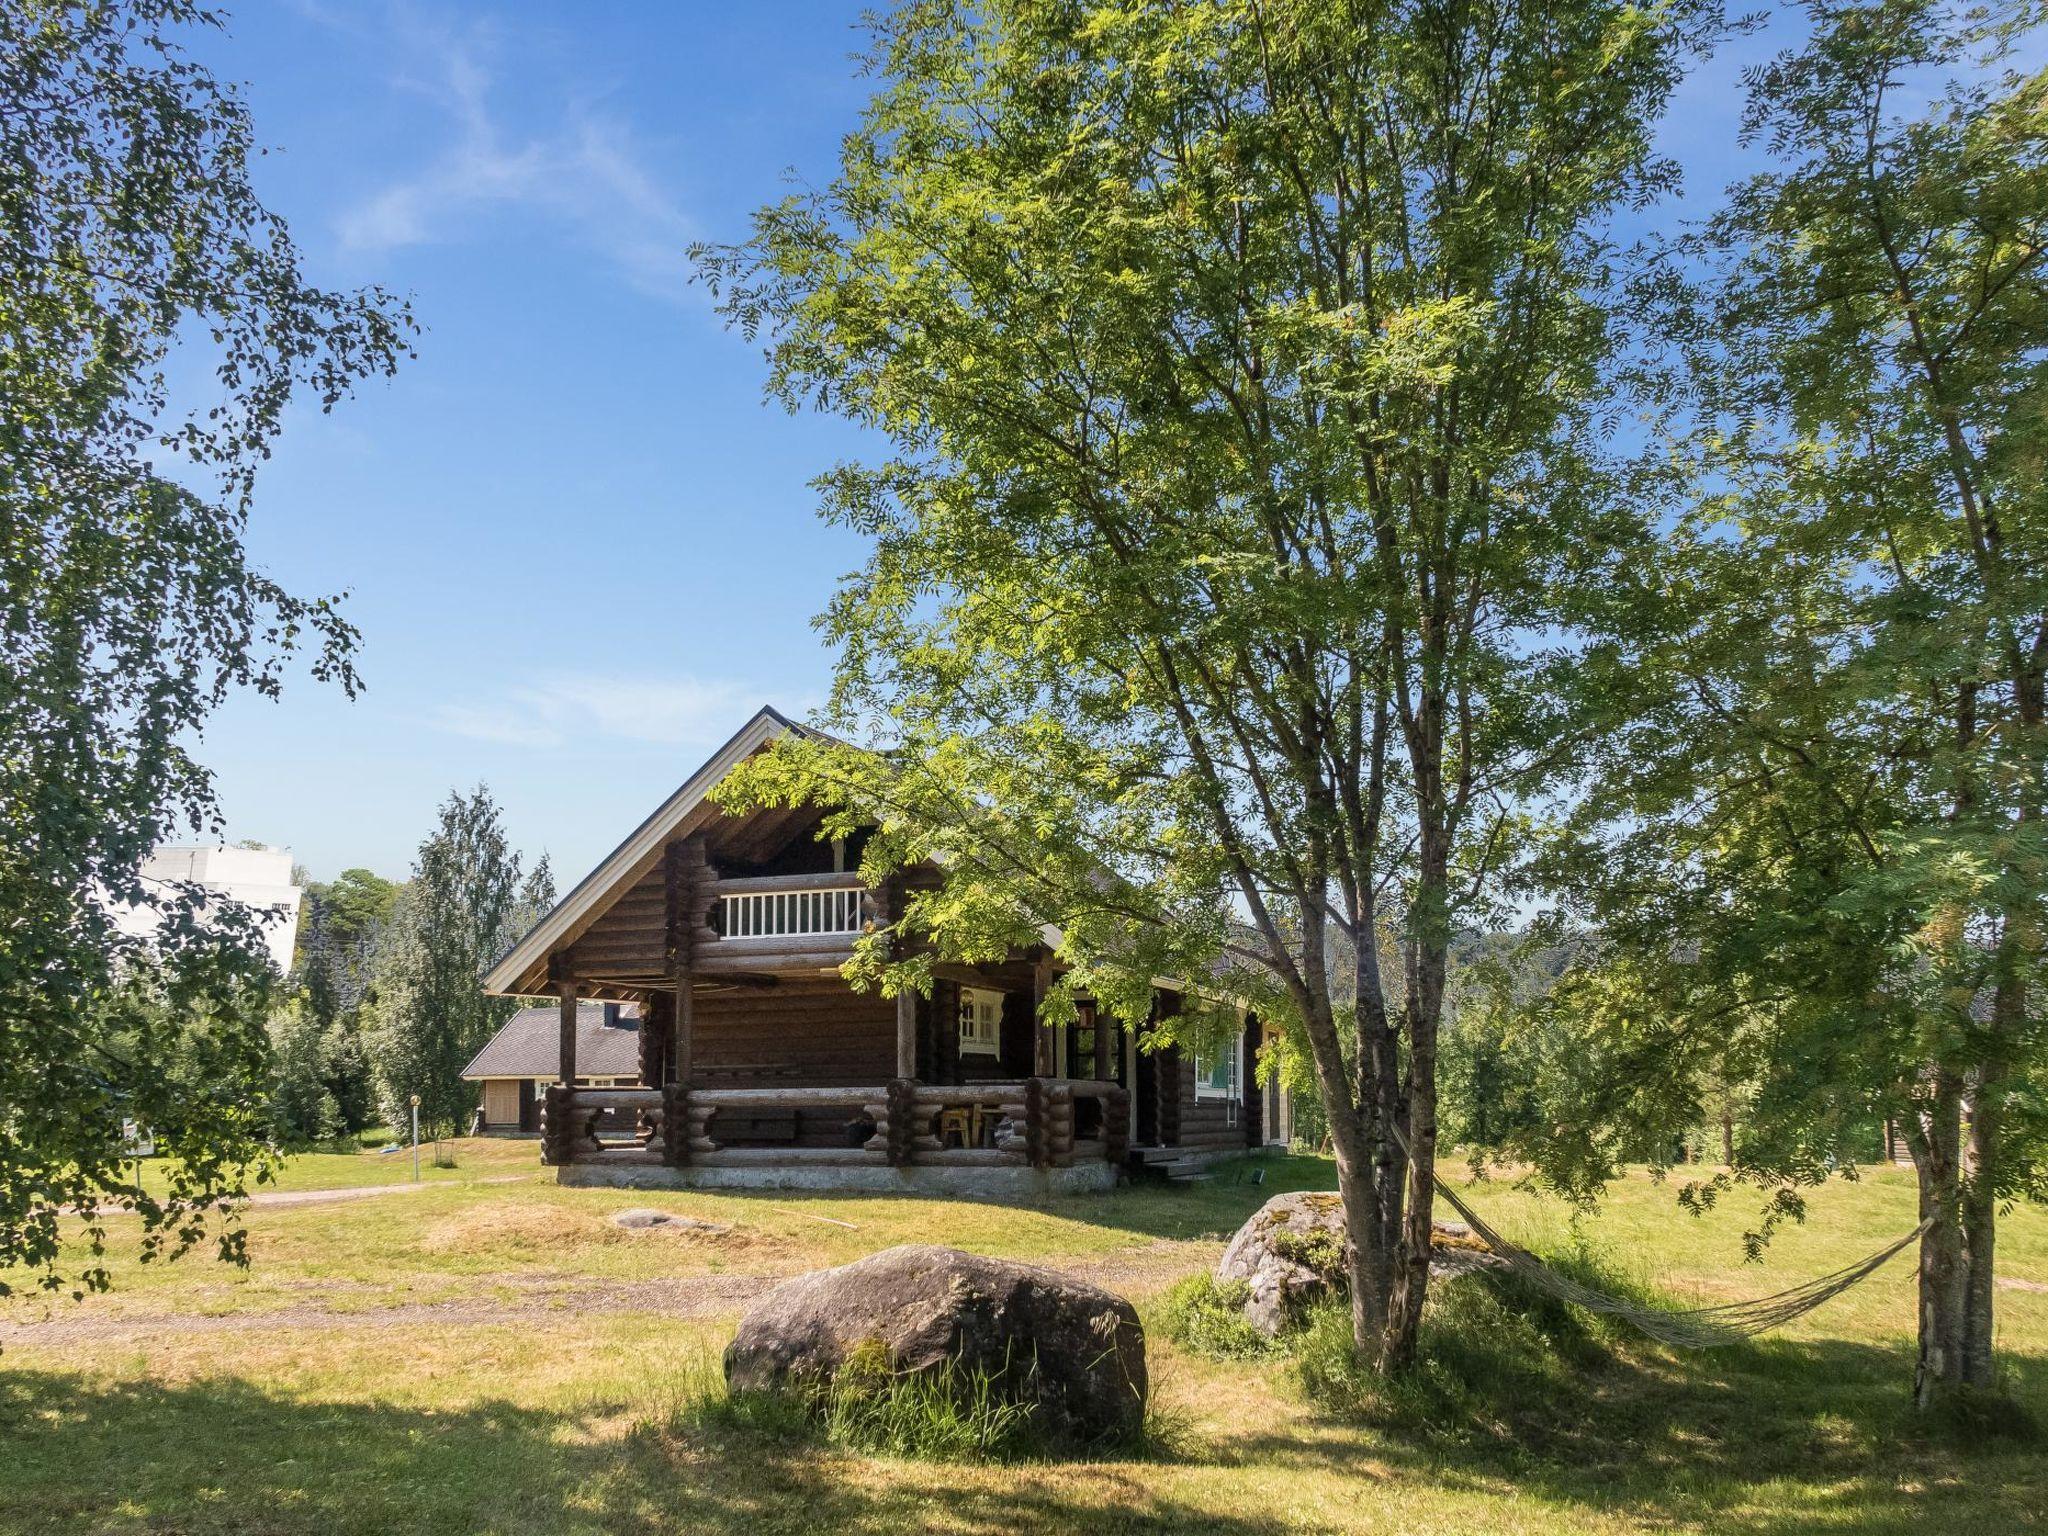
1172,1164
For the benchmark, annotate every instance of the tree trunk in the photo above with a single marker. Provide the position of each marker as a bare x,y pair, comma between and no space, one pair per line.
1980,1229
1411,1277
1429,950
1937,1145
1355,1146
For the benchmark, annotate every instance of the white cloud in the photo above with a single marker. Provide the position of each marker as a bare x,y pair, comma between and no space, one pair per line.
562,707
581,171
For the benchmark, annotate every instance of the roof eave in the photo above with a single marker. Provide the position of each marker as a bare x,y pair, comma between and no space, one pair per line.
560,926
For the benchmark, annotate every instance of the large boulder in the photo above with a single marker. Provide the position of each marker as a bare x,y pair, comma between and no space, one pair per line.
1075,1353
1293,1252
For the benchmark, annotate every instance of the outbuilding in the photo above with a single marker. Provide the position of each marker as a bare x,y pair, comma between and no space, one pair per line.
524,1057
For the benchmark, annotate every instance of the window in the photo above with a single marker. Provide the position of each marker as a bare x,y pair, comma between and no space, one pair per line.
1217,1076
981,1022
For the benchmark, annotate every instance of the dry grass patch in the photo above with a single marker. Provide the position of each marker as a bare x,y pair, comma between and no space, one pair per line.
519,1231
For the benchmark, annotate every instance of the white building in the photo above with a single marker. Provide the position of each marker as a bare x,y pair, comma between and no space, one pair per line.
257,878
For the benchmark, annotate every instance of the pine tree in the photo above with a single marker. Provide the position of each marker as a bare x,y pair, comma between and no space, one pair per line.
458,913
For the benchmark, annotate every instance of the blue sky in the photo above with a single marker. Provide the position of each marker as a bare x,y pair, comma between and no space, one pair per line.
580,548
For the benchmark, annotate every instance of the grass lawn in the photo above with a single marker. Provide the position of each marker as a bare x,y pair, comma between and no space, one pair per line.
467,1158
497,1356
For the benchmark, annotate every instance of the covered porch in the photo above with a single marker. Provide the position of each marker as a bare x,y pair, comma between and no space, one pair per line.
760,1065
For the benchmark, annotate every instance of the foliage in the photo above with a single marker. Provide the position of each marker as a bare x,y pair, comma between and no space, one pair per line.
1206,1316
1497,1355
1814,851
341,924
1236,364
135,250
303,1105
465,904
1319,1249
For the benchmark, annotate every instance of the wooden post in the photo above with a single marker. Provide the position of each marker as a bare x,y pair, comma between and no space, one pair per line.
903,1124
567,1062
906,1034
1102,1027
1044,1064
675,1133
1116,1126
1037,1144
687,897
556,1133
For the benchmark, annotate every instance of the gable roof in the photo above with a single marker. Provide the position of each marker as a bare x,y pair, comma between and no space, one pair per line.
530,1043
632,858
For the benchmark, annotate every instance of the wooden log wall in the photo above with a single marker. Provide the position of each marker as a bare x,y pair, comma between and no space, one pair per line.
938,1056
1205,1125
1017,1039
818,1031
631,938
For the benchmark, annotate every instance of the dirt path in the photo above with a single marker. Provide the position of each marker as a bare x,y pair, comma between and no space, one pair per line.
276,1197
548,1297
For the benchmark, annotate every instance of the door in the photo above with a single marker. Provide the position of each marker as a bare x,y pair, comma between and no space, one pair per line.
1145,1101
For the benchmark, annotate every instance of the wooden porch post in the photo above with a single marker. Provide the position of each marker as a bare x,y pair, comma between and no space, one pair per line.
1102,1026
1044,1063
566,989
687,895
906,1033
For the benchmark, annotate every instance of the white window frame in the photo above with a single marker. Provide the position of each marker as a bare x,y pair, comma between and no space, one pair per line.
981,1022
1234,1092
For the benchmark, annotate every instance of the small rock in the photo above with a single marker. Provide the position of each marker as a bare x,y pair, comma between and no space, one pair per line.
641,1220
1075,1353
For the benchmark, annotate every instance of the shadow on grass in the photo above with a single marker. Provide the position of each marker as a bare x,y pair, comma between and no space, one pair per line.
217,1456
1778,1438
1148,1207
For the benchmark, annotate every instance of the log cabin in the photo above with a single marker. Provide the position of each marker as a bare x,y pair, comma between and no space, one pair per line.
760,1065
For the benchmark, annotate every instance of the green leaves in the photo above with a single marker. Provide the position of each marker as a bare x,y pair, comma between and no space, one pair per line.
128,608
1238,363
1812,847
464,906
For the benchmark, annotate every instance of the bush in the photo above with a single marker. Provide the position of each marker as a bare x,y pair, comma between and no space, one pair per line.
1206,1317
1497,1355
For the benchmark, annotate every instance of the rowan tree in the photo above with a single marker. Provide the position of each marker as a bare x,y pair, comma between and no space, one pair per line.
1238,364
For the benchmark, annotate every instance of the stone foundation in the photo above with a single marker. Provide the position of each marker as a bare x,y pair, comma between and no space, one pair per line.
1016,1183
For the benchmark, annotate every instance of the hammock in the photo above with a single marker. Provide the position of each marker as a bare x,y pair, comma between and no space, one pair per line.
1729,1322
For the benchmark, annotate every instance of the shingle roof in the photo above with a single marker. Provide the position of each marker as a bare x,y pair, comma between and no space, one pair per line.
530,1044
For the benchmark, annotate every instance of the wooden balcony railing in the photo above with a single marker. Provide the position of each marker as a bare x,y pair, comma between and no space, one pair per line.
791,907
1034,1122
